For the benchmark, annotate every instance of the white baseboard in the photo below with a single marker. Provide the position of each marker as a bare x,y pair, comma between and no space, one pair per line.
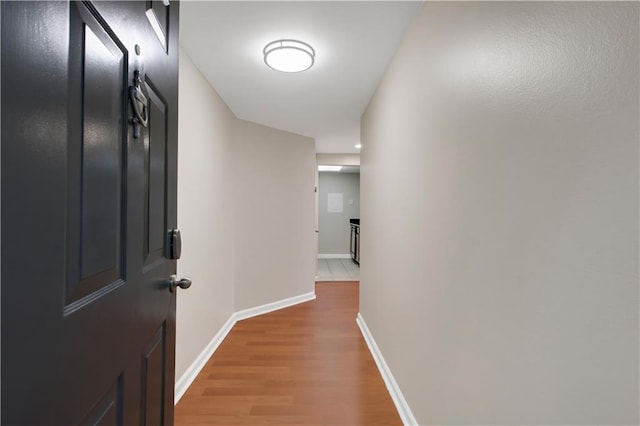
183,383
334,256
401,404
274,306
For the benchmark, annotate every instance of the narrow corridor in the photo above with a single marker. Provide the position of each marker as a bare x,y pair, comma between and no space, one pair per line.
307,364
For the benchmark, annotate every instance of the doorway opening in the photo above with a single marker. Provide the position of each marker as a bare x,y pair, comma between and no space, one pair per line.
338,220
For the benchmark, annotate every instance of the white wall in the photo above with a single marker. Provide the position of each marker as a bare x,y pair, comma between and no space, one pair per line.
246,211
338,159
335,229
274,213
499,196
205,214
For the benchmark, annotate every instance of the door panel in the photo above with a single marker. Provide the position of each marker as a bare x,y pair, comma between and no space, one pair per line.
108,411
101,156
154,380
155,166
88,322
95,183
158,16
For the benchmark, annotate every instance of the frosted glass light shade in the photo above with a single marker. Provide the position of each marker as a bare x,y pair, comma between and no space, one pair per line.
289,55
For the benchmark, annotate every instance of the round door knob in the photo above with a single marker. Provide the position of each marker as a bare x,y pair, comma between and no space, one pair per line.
174,282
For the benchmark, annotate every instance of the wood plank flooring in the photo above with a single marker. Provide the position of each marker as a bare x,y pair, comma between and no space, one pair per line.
303,365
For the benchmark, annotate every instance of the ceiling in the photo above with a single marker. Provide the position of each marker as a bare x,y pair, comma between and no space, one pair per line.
354,43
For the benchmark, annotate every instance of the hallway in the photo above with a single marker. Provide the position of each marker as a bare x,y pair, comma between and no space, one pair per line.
183,184
307,364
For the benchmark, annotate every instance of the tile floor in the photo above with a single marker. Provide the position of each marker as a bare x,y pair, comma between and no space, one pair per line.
338,270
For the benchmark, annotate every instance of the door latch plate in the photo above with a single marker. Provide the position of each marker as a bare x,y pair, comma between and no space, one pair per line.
175,244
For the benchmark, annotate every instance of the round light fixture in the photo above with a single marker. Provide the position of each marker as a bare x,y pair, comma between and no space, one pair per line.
289,55
358,146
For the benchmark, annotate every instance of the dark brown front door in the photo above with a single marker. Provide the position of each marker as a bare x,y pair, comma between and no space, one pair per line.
88,202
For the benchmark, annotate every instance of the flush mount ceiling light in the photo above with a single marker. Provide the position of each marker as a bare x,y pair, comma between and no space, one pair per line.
358,146
289,55
329,168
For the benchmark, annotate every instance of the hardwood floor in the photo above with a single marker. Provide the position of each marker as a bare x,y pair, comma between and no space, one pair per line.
304,365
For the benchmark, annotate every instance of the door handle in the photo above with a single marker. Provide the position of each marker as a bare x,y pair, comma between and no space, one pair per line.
174,282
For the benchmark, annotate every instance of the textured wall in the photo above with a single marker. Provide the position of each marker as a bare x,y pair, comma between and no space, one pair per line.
338,159
246,212
205,214
499,196
274,181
